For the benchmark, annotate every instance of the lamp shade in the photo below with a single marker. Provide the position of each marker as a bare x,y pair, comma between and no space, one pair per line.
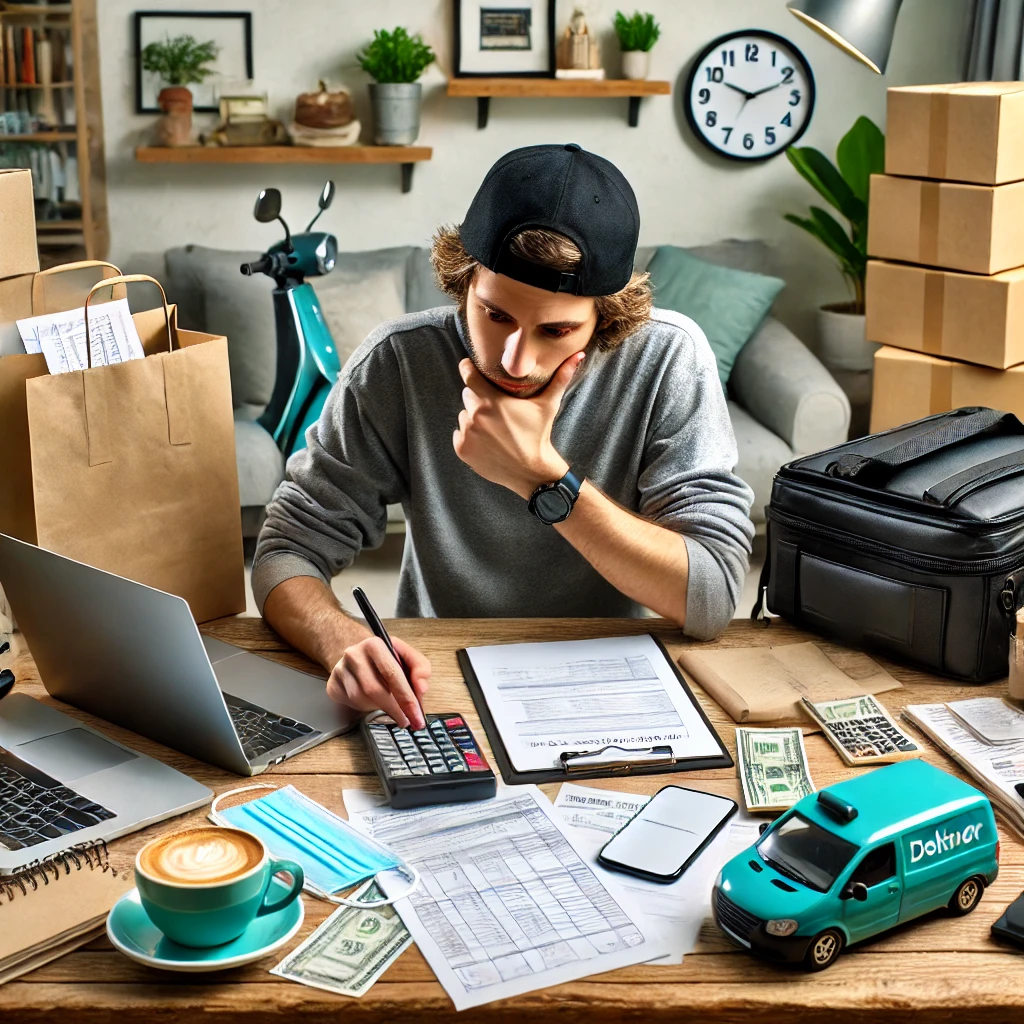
862,28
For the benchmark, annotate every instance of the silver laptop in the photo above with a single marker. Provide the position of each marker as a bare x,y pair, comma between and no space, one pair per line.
133,655
62,783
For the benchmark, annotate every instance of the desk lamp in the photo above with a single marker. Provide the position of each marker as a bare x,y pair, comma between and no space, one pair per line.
861,28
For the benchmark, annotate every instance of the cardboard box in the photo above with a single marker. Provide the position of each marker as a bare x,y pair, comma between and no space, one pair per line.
910,385
973,131
976,318
977,228
18,252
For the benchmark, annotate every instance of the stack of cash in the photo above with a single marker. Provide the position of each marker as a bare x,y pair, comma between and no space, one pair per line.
772,766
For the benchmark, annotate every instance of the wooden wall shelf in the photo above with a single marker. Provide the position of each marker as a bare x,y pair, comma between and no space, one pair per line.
566,88
40,136
406,156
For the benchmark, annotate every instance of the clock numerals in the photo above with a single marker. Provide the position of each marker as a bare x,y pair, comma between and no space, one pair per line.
711,118
703,96
769,135
787,120
750,52
787,75
715,74
794,97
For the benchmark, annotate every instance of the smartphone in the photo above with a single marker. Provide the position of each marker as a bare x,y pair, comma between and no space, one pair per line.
664,838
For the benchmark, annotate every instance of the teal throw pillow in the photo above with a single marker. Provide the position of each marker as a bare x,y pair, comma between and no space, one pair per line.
728,305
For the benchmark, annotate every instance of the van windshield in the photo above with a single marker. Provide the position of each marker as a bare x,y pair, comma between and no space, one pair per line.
806,852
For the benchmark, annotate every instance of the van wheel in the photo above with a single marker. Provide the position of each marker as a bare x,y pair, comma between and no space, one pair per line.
966,897
823,950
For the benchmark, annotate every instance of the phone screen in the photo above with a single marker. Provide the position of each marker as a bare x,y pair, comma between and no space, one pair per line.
668,833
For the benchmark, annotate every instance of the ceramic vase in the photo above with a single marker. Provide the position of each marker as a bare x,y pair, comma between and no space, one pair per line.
175,127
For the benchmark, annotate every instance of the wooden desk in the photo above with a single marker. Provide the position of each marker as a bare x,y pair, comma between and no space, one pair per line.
940,968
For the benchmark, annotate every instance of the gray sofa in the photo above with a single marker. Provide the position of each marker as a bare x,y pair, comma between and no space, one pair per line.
782,401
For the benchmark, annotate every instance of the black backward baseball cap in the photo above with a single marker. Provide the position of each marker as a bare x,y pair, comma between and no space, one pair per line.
564,189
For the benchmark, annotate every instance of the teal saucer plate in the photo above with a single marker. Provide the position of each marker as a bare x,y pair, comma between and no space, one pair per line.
131,931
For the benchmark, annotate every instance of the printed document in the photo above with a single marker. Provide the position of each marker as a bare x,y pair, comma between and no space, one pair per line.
990,719
505,904
60,337
674,913
581,695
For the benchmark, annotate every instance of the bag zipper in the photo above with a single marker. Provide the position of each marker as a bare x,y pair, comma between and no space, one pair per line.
929,563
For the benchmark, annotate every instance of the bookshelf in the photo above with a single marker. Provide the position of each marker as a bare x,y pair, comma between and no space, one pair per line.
51,120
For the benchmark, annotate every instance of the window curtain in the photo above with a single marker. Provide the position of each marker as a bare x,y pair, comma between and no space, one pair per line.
997,42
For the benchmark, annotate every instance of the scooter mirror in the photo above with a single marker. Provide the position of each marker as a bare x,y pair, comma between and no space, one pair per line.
268,206
327,196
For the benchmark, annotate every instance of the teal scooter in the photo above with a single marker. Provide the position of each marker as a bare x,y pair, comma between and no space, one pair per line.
307,358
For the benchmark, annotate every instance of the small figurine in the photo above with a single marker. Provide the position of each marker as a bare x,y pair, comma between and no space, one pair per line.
856,859
579,53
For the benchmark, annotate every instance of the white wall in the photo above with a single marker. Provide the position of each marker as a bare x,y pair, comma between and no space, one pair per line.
686,194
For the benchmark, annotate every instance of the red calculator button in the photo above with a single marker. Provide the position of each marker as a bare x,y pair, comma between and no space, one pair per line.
453,723
474,761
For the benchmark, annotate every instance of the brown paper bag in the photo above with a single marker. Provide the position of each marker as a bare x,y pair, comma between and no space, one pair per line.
133,466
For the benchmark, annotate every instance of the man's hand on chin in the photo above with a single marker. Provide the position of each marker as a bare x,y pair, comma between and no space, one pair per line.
507,440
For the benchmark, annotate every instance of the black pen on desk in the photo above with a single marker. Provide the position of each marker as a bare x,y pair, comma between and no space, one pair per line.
377,627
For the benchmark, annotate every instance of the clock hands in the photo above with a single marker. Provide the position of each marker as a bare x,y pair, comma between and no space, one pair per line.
766,89
736,88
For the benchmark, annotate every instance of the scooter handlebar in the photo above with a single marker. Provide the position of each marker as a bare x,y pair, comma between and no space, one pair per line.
260,266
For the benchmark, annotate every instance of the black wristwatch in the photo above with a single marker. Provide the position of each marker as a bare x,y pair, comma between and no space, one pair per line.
551,503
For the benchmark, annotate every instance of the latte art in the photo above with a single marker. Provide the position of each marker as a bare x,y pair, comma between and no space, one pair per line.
201,856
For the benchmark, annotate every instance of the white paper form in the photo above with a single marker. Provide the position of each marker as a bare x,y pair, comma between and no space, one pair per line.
505,905
581,695
60,337
990,719
674,912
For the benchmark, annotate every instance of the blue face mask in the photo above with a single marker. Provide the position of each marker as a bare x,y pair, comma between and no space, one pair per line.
331,853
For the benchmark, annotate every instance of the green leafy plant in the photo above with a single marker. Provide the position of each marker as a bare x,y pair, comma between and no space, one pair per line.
395,56
179,61
860,153
637,32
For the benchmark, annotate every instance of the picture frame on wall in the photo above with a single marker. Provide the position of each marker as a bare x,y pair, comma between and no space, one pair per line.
504,38
230,30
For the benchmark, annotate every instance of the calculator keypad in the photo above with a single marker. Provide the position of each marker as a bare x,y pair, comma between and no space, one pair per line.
444,747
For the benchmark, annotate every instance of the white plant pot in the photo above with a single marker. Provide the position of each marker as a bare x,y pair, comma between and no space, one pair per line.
636,64
842,343
850,358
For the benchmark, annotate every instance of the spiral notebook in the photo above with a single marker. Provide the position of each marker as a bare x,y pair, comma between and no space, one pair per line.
56,906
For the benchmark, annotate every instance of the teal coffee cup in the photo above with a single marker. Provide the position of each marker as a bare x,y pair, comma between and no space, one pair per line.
203,887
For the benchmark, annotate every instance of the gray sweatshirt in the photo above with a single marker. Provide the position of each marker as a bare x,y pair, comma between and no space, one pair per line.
646,423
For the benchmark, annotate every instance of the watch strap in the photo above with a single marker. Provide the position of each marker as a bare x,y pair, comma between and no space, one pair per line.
568,487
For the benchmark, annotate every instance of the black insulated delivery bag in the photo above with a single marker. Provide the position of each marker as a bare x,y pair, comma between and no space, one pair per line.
909,542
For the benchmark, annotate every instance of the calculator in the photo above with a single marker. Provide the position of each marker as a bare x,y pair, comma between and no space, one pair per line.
441,764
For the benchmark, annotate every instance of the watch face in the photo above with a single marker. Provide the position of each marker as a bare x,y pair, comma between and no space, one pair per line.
749,95
552,505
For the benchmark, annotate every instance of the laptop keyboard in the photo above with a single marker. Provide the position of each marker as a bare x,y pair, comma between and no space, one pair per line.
261,730
35,808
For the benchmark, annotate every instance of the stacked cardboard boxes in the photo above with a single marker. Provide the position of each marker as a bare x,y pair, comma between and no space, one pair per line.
945,286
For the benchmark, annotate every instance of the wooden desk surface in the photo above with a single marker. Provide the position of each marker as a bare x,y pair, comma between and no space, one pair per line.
939,968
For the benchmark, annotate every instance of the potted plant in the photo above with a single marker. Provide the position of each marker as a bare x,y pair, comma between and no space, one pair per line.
179,62
637,34
394,60
842,344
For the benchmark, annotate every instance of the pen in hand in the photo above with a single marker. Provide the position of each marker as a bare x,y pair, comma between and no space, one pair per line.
377,627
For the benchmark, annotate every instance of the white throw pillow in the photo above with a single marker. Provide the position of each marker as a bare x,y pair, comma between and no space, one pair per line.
355,304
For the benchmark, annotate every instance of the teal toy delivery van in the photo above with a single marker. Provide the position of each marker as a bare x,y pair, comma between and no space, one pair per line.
856,859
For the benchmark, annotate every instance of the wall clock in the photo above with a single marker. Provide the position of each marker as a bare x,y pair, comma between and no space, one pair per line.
749,95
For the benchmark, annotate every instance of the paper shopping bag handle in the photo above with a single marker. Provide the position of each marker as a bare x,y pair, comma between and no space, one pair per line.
37,282
126,279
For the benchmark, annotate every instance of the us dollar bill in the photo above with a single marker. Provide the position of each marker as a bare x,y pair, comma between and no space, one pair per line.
351,949
772,766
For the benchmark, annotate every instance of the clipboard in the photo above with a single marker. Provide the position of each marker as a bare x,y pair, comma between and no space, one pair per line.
605,764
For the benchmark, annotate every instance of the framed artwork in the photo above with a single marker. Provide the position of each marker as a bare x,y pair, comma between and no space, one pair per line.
505,37
231,31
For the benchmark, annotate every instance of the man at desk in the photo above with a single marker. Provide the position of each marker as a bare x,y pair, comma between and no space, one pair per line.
559,447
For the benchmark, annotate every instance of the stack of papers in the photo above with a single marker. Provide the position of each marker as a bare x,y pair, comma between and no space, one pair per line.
505,904
60,337
995,767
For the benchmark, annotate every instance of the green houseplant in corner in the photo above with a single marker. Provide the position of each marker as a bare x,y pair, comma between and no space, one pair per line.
637,35
179,62
842,345
395,60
